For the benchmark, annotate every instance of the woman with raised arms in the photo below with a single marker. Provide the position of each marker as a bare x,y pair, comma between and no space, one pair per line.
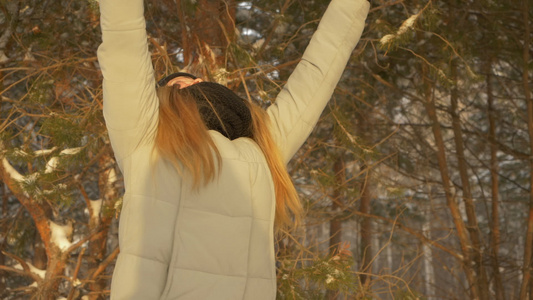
204,170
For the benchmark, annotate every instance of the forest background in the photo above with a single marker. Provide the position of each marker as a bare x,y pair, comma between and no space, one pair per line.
416,182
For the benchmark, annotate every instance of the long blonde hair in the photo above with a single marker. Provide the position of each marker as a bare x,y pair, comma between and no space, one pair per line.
183,139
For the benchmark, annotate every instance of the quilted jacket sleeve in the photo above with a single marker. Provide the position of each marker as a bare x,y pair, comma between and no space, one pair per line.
131,112
298,106
130,100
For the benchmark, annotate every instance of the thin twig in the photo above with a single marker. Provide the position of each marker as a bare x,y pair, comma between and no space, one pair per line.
103,265
75,275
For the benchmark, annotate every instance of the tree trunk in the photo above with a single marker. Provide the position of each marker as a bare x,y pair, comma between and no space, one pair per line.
365,227
56,260
526,280
48,290
428,257
466,247
3,274
39,253
495,203
337,207
365,128
473,228
335,225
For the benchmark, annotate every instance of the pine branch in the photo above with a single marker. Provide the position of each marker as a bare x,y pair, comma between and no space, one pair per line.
53,162
26,269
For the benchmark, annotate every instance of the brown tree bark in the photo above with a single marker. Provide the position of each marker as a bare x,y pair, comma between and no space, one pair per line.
365,228
56,260
495,202
39,253
466,247
48,290
528,247
337,207
365,128
4,228
473,228
335,224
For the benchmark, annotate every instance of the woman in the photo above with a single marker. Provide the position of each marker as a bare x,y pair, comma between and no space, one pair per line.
201,186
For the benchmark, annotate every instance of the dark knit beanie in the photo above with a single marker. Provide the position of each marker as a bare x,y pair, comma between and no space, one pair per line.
166,79
222,110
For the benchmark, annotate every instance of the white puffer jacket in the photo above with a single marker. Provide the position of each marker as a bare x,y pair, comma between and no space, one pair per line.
216,243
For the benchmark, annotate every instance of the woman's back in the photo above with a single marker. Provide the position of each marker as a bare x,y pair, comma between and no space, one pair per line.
217,238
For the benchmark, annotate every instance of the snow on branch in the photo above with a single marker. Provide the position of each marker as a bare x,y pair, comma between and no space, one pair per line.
37,153
404,28
14,174
60,235
24,268
111,177
40,273
51,165
96,206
